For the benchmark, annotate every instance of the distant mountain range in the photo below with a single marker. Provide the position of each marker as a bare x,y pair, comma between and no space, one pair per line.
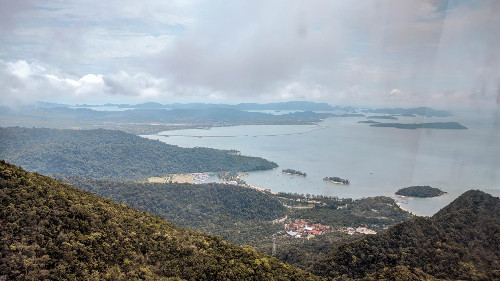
422,111
291,105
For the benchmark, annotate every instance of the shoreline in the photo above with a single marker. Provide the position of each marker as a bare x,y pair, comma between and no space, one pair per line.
293,174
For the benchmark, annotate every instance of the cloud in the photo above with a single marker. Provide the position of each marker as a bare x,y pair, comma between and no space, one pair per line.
261,48
140,85
23,82
332,51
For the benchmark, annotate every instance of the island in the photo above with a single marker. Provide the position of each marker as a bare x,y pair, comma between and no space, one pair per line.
369,122
382,117
336,180
436,125
293,172
420,191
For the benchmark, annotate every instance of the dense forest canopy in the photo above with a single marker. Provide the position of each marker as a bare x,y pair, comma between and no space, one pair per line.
113,154
248,217
51,230
459,242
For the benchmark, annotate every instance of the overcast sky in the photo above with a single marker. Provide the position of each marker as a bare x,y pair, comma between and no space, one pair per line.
380,53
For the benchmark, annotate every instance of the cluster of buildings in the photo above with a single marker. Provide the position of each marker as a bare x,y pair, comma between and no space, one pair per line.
301,228
362,230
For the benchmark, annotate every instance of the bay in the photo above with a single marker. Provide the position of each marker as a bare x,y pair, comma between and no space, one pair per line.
377,161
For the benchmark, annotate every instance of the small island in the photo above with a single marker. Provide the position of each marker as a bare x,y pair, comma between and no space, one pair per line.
420,191
336,180
293,172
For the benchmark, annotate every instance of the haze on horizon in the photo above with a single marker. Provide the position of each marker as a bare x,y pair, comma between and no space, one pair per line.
374,53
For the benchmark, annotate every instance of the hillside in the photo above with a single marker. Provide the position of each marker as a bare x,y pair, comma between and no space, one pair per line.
244,216
236,213
51,230
113,154
459,242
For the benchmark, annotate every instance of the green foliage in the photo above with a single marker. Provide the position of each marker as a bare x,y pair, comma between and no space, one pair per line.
459,242
113,154
241,215
52,231
421,191
377,212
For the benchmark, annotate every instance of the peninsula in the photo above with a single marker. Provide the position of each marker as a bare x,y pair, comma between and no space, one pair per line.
420,191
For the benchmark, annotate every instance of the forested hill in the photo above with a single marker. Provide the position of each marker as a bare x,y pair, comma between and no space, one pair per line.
459,242
53,231
238,214
113,154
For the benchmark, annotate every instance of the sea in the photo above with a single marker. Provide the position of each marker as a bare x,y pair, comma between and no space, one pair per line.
377,161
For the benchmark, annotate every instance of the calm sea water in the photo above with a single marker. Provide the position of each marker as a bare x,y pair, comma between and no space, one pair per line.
377,161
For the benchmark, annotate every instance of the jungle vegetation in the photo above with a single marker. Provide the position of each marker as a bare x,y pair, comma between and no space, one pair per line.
53,231
113,154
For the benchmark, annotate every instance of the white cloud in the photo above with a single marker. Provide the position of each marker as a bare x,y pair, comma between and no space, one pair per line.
396,92
334,51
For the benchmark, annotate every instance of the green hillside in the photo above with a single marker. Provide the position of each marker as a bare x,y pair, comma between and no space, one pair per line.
236,213
51,230
244,216
459,242
113,154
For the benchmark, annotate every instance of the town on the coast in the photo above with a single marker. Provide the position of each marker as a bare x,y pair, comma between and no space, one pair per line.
303,229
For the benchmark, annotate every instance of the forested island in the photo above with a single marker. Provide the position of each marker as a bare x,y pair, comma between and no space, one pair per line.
420,191
435,125
336,180
293,172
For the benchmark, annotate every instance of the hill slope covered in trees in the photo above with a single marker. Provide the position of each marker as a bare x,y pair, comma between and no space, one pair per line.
51,230
113,154
236,213
245,216
459,242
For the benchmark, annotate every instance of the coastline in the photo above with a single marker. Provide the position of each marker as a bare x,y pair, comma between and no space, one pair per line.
293,174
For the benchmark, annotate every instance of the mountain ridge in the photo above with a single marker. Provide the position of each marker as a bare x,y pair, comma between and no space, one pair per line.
459,242
51,230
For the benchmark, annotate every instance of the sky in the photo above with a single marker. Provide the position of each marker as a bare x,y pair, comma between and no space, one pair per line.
373,53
